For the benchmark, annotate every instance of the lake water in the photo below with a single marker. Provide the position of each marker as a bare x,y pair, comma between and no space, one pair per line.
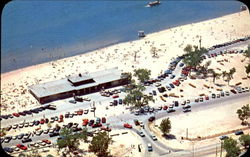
34,32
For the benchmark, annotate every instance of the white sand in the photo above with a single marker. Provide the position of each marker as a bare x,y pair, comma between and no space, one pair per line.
169,43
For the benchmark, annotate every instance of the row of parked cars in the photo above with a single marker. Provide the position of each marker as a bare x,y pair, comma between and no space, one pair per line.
28,112
108,93
229,43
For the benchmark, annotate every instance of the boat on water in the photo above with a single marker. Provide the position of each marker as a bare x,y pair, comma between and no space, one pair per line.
154,3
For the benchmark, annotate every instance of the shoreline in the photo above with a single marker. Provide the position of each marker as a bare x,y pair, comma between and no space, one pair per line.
154,34
168,44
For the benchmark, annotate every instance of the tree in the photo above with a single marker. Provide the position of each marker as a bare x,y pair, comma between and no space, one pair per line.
230,145
153,50
100,143
136,98
127,75
70,140
245,141
142,74
247,52
188,48
231,72
165,126
193,57
243,114
247,69
214,74
224,74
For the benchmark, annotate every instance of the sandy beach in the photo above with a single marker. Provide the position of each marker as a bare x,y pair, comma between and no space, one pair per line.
168,44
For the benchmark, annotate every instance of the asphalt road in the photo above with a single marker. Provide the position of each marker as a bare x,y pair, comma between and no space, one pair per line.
117,121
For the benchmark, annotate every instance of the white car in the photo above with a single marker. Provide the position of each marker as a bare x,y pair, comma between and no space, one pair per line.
157,85
153,137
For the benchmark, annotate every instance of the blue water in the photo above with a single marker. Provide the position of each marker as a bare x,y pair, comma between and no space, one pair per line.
34,32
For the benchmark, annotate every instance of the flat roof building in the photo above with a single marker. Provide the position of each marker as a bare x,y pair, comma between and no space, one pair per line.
80,84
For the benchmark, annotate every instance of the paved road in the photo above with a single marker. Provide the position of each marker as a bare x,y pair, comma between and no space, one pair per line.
118,120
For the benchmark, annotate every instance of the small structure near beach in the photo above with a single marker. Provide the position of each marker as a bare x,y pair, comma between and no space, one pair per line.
141,34
80,84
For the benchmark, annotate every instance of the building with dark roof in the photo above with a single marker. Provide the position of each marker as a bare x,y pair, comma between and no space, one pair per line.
80,84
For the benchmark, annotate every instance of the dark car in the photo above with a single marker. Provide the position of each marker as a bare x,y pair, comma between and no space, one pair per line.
239,132
53,134
223,137
115,103
151,119
37,122
69,125
20,136
25,140
22,113
120,101
27,112
154,92
213,96
91,122
233,91
34,110
171,85
171,110
76,129
8,149
186,107
176,103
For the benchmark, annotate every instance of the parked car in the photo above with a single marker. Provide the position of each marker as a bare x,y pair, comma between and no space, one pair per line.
187,110
154,92
239,132
103,120
213,95
227,93
172,76
46,141
91,122
171,85
23,147
233,91
25,140
120,101
14,126
15,114
186,107
39,132
126,125
96,125
165,107
223,137
170,110
8,149
7,139
54,134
